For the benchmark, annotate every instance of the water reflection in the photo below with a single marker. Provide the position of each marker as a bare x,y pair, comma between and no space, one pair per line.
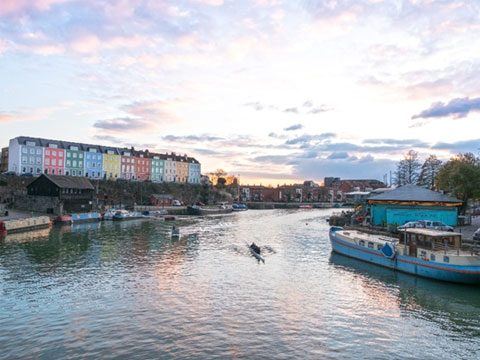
455,307
127,289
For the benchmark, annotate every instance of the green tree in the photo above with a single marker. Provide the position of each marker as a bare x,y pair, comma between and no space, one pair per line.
460,176
408,169
429,171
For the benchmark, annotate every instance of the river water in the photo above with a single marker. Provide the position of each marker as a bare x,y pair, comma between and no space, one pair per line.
125,290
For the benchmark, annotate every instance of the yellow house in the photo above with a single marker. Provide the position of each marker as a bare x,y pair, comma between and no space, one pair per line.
111,165
182,168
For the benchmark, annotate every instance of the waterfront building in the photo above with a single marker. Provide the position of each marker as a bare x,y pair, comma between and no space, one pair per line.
53,159
74,160
157,168
93,162
170,168
412,203
4,160
182,168
194,171
35,156
127,165
142,165
112,162
62,193
25,155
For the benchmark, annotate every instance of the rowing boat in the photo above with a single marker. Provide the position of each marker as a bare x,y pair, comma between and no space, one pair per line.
257,255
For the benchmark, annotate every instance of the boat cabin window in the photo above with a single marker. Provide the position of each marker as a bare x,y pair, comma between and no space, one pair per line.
446,259
423,254
370,245
361,242
379,246
432,257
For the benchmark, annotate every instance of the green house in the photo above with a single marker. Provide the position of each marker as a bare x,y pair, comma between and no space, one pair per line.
412,203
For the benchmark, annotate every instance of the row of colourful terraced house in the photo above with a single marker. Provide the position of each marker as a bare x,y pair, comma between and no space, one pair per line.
35,156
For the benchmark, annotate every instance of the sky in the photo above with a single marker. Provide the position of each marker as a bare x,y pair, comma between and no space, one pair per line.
273,91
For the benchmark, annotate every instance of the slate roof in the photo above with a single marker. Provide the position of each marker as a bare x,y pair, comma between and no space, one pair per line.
103,149
69,182
414,193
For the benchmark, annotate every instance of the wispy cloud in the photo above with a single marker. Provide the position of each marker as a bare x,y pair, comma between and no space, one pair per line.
457,108
294,127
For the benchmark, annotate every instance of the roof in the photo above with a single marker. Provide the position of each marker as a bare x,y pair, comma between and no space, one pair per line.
413,193
68,182
103,149
430,232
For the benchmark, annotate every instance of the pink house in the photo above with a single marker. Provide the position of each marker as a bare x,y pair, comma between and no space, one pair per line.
54,160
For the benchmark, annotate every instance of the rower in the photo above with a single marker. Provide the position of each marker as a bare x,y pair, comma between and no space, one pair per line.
255,248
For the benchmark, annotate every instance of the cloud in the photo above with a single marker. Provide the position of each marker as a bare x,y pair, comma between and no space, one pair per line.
123,124
306,139
192,138
458,108
15,7
294,127
338,155
291,110
6,117
255,105
459,146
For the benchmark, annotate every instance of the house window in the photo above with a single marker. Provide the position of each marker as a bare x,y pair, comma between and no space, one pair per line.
24,150
361,243
47,152
60,154
24,170
74,155
73,173
80,156
39,151
24,159
80,172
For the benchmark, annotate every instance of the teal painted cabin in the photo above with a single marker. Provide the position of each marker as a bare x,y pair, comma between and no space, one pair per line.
412,203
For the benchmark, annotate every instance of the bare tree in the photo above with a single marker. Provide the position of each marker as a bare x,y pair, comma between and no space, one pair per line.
408,169
429,171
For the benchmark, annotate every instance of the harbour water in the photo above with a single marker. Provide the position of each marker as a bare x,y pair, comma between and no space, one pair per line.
127,290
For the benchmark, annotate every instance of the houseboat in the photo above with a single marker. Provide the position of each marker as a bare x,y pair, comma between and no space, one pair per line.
205,211
85,217
428,253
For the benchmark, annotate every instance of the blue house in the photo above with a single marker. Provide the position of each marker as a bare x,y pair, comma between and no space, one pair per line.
412,203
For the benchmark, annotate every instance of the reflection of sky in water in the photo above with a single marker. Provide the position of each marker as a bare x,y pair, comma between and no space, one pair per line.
128,289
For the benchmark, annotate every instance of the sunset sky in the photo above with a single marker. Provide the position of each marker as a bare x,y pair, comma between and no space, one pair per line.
275,91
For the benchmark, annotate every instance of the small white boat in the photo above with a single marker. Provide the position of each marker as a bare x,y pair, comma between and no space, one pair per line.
175,233
109,214
126,215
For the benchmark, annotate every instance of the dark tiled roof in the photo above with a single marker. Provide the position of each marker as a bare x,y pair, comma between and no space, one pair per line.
69,182
103,149
414,193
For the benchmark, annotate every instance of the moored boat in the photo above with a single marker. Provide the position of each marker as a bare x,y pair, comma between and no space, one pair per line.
239,207
85,217
423,252
204,211
63,220
121,215
256,252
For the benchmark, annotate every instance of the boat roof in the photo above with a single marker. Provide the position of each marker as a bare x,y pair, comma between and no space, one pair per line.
431,232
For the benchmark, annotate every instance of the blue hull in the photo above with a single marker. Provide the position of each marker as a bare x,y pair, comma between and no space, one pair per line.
407,264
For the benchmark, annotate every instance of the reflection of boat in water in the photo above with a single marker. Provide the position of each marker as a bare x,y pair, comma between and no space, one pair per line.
27,236
205,211
413,290
428,253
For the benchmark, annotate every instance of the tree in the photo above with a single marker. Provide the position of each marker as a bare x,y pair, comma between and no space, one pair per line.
408,169
429,171
460,176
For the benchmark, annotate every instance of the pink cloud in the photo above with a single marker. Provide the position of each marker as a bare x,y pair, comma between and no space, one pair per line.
14,7
209,2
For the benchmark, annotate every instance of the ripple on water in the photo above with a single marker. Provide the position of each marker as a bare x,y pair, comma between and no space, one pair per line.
128,290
